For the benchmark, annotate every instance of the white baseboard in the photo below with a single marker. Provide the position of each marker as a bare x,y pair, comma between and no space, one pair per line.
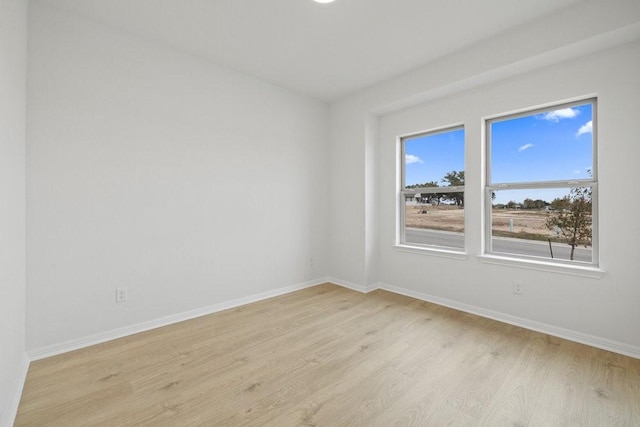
11,410
75,344
352,286
568,334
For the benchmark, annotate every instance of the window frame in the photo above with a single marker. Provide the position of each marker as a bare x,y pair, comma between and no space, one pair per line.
490,187
401,243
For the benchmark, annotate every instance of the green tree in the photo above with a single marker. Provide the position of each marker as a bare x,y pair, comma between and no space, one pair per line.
455,179
560,204
424,185
512,205
528,203
534,204
427,197
541,204
574,221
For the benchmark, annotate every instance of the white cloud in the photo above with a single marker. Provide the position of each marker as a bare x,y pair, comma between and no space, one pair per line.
557,115
577,171
585,128
525,147
410,159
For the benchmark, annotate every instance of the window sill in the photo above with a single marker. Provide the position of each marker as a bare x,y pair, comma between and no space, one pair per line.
422,250
573,270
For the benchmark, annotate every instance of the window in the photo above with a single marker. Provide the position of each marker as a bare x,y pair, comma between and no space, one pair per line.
432,189
542,188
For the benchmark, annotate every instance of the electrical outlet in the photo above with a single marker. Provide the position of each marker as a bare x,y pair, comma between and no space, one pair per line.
518,287
121,294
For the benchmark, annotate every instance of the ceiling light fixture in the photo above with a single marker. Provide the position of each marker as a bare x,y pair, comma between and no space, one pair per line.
323,1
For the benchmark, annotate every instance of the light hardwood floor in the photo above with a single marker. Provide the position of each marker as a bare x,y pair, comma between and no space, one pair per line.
328,356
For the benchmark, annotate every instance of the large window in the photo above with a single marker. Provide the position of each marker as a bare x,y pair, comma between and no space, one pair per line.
542,187
432,189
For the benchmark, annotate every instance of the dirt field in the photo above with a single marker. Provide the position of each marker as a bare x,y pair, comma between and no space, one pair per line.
451,218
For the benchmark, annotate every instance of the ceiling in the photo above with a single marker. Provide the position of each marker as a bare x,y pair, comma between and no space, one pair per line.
322,50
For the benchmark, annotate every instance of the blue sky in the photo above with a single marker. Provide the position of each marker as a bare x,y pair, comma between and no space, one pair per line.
554,145
431,157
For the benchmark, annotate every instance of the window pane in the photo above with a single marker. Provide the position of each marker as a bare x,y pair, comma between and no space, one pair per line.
433,224
429,158
430,217
548,223
556,145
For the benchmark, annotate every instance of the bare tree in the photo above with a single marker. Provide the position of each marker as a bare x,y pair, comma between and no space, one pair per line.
574,222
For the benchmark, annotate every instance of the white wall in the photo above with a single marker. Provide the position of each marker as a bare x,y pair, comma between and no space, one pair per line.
192,185
607,307
590,48
150,169
13,49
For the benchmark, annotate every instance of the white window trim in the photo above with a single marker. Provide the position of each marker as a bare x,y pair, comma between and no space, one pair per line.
591,269
401,243
540,265
439,251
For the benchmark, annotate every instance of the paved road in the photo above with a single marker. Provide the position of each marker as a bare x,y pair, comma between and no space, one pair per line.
500,244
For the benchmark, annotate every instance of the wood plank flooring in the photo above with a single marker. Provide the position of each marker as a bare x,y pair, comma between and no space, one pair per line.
328,356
